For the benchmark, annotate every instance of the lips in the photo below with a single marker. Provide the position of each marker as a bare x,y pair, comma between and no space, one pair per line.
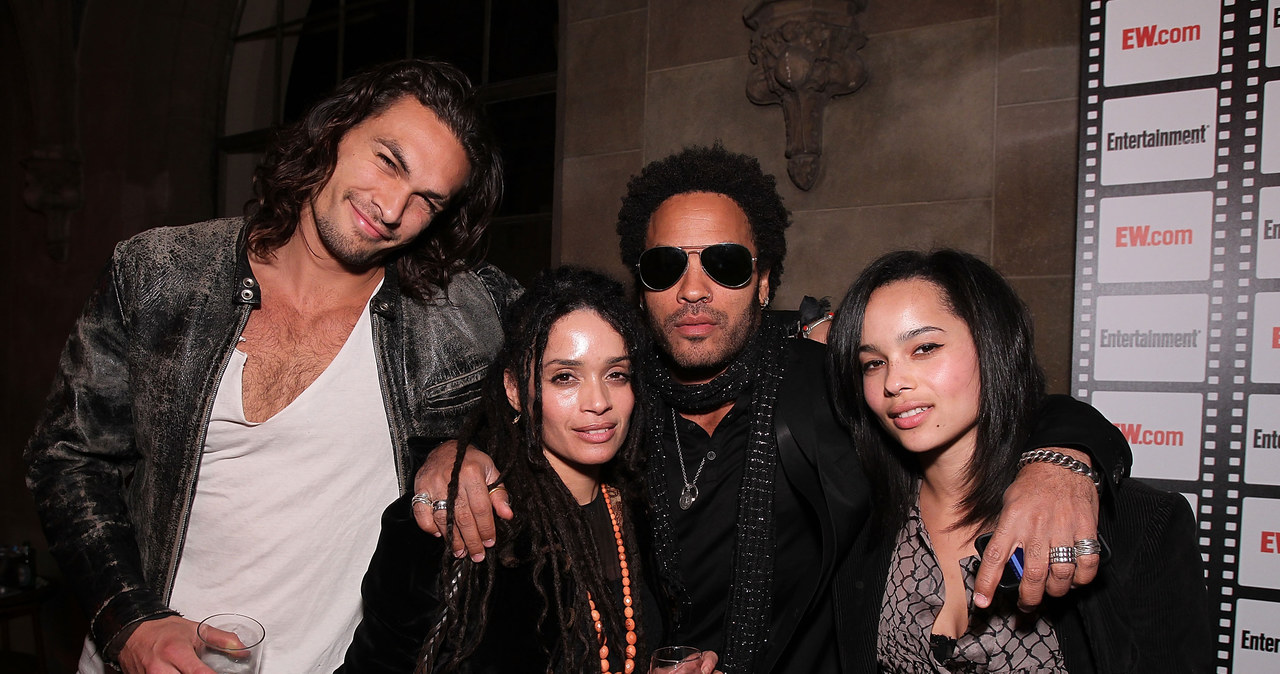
909,415
367,225
597,433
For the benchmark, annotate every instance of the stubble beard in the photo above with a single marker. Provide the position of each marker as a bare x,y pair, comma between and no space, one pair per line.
698,359
346,247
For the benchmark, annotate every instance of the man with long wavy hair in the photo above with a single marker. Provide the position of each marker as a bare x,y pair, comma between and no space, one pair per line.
231,412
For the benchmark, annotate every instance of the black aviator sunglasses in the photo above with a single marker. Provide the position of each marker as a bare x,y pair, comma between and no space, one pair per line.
729,264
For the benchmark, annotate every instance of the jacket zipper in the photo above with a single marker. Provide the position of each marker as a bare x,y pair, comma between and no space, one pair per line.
375,319
189,497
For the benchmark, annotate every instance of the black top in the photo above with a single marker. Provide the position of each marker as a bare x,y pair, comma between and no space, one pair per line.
707,531
1147,611
402,601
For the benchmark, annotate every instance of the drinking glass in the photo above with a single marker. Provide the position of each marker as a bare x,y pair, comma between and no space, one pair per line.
225,659
675,660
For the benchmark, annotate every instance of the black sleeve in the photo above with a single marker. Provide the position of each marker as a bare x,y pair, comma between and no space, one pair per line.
1064,421
400,596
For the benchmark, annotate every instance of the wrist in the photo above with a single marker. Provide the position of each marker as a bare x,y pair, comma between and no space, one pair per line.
1063,458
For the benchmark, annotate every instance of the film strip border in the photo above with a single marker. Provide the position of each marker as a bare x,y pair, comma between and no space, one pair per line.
1245,238
1217,494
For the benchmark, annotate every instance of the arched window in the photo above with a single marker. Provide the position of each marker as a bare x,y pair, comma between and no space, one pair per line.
288,53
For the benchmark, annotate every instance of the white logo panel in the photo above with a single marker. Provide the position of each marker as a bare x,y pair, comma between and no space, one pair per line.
1268,262
1153,40
1270,162
1260,544
1162,428
1266,338
1273,33
1257,637
1262,441
1151,338
1160,237
1159,137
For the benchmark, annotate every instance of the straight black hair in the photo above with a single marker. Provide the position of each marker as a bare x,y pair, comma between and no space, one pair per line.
1012,383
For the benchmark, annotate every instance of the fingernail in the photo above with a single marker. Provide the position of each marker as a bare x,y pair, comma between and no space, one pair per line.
981,600
459,553
478,557
436,534
488,542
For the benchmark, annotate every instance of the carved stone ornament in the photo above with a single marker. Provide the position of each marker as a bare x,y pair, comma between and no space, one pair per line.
53,187
805,52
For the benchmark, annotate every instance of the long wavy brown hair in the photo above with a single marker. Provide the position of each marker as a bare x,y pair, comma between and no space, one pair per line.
302,157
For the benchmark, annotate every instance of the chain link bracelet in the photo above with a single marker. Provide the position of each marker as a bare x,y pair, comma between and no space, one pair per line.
1060,459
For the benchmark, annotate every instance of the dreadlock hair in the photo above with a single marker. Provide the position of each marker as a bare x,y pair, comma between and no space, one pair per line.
302,158
554,535
714,170
1010,379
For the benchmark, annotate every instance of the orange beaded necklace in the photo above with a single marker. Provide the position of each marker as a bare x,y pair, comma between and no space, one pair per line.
628,612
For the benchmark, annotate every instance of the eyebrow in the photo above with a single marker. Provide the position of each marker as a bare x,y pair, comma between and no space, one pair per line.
398,152
578,363
903,337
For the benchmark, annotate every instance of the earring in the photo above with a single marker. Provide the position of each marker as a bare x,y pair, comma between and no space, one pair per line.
516,420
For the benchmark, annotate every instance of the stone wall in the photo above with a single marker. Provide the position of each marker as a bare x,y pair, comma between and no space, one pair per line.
964,136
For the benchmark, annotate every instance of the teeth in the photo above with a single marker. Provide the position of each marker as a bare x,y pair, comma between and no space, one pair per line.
911,412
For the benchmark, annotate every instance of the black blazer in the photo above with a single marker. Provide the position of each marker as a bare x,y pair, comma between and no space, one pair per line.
401,593
1147,611
817,456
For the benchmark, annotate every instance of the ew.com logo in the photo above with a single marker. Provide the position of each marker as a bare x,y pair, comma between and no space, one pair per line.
1266,338
1160,237
1163,429
1154,40
1143,37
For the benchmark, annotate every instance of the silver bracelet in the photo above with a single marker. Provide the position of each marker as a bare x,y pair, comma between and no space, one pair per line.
1060,459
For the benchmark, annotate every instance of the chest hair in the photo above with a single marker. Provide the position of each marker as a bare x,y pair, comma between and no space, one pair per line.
287,350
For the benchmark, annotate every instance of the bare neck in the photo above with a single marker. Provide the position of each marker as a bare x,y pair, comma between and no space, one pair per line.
300,273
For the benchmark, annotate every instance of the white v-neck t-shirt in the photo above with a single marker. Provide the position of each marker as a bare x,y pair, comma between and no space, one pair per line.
286,512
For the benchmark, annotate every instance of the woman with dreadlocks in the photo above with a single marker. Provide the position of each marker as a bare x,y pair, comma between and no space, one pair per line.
566,589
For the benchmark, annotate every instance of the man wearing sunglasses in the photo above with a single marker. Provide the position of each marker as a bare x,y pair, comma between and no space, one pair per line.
755,489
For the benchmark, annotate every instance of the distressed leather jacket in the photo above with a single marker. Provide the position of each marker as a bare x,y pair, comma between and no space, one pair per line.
114,461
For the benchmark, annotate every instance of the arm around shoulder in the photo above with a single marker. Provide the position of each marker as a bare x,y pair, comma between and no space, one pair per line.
1063,421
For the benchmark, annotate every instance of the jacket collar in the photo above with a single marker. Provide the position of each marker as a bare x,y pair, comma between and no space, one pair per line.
385,303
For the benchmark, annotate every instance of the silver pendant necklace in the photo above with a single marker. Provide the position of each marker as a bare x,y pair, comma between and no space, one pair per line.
690,492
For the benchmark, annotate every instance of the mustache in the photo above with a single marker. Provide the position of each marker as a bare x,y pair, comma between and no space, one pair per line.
695,309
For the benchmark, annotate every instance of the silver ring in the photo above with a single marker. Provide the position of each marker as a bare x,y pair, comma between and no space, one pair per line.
1088,546
1062,554
437,506
424,498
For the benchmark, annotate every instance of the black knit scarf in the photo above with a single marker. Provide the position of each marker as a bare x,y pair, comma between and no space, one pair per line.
760,368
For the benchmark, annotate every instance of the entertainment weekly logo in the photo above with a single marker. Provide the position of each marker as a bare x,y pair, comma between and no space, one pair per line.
1161,237
1150,338
1268,256
1266,338
1159,137
1273,33
1262,440
1153,40
1256,637
1163,429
